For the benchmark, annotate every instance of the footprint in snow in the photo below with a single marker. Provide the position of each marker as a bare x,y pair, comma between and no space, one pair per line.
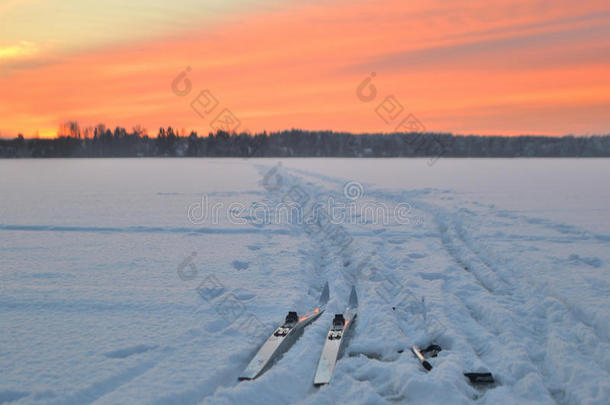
243,295
128,351
591,261
433,276
397,241
239,265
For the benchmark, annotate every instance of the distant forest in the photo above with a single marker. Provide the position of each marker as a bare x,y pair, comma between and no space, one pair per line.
102,142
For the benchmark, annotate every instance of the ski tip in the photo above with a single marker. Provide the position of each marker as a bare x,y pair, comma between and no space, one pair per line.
325,295
353,298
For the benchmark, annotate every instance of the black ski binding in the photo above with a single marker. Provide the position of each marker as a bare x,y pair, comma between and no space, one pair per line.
338,322
292,317
338,325
431,351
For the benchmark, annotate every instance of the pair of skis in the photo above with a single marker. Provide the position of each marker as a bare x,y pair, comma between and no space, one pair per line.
287,334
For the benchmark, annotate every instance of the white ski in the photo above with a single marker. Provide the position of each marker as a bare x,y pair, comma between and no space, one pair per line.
334,340
282,338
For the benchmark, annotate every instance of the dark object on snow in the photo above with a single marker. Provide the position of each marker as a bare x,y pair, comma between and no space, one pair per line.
431,351
480,378
421,358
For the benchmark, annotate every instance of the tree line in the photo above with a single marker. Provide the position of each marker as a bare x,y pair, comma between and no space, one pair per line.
103,142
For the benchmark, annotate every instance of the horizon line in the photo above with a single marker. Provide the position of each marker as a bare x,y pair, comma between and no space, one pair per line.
182,133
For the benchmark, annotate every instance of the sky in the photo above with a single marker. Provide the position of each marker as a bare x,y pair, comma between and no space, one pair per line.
469,67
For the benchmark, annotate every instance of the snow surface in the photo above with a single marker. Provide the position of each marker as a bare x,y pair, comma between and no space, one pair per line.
110,294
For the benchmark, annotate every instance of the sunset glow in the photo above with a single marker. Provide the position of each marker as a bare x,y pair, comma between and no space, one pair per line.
519,67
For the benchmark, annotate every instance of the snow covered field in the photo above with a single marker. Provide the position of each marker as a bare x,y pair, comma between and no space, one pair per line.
155,281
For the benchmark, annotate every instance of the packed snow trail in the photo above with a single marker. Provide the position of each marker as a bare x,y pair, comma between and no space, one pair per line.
502,316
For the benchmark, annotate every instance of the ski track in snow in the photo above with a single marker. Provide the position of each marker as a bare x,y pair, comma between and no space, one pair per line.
508,309
471,263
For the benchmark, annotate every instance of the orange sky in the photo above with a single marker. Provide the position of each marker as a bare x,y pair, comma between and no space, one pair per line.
484,67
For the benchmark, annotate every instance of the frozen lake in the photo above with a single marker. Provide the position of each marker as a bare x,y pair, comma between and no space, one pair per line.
106,264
